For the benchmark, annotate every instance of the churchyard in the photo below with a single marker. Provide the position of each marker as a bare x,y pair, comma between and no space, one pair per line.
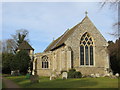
45,82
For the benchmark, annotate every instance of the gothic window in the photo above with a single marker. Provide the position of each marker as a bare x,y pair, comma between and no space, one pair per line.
86,50
45,63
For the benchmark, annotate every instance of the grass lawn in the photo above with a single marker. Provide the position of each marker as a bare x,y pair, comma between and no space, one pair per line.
102,82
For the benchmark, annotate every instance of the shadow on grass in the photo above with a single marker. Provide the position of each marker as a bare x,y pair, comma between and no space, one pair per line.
69,83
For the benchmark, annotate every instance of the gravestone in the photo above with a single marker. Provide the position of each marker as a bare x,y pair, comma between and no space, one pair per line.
53,77
93,75
106,75
97,75
64,75
15,73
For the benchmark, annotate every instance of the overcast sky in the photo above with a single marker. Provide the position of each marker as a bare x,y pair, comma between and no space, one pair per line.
48,20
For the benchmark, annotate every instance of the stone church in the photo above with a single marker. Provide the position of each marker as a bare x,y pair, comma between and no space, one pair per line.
82,47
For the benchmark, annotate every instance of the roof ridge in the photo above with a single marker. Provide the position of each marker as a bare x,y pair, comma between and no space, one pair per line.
59,39
52,43
25,45
63,37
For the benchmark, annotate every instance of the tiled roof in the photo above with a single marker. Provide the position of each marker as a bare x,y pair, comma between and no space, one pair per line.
60,40
25,45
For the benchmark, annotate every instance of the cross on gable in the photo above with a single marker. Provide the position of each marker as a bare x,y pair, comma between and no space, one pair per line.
86,13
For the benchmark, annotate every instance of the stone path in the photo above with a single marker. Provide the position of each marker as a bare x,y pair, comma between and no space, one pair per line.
9,84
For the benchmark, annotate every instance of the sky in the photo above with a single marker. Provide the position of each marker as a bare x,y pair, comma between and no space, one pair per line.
48,20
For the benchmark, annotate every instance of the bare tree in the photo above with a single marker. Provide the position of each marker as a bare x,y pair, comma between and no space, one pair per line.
10,45
20,36
111,4
116,7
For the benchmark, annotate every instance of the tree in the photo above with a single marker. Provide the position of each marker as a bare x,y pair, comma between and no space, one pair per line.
6,60
114,48
21,62
10,45
116,7
20,36
114,52
111,4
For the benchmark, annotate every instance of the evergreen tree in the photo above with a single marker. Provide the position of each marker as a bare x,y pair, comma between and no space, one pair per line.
7,58
114,52
21,62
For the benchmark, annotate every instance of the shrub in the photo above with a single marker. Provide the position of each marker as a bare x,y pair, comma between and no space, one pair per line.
6,60
74,74
71,74
78,75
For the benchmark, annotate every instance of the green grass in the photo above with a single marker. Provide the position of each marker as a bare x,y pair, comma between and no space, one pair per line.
102,82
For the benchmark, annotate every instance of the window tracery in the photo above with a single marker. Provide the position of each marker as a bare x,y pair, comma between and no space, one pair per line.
45,63
86,50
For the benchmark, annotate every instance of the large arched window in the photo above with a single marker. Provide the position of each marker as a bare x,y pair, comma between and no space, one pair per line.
45,63
86,50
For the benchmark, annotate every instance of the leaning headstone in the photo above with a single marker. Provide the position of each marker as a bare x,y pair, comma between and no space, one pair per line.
64,75
12,72
52,77
107,75
84,76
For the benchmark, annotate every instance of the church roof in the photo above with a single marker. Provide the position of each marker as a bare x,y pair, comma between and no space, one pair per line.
25,45
60,40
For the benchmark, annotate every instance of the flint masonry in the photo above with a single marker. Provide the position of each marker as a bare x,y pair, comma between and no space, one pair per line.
82,47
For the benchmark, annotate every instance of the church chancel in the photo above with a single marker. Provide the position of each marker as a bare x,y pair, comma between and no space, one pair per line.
82,47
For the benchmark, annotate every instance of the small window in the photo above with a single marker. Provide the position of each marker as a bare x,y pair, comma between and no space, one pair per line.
45,63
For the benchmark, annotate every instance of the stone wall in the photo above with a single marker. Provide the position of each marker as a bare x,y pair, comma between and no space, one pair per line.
64,57
59,60
101,58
